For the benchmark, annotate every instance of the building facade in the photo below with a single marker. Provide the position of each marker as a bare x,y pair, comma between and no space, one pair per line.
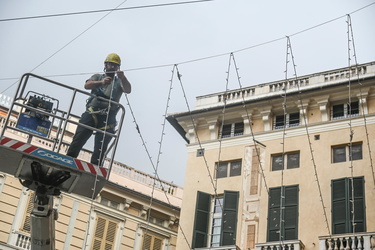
134,210
282,165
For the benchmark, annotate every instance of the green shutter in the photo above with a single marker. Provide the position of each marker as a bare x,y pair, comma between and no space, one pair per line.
341,205
202,212
229,221
359,205
289,229
291,213
274,214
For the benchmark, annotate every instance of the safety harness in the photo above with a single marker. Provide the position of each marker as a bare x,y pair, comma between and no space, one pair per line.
97,107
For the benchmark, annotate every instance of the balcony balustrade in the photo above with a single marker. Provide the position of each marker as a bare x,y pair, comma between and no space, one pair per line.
284,245
358,241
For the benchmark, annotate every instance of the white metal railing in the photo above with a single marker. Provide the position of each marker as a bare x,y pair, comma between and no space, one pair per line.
358,241
277,245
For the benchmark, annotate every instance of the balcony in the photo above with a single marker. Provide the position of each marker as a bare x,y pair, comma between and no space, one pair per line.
20,240
219,248
358,241
277,245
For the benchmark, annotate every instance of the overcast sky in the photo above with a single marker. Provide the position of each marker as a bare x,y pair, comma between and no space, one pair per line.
199,37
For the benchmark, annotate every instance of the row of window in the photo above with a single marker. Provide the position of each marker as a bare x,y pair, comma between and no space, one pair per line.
216,217
105,228
290,160
288,120
105,234
284,226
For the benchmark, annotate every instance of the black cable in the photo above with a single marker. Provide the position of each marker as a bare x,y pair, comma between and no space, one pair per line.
98,11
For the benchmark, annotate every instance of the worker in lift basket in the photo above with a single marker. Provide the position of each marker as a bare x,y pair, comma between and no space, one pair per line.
109,85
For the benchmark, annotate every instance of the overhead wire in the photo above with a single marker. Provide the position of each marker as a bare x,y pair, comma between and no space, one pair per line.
192,60
200,145
103,10
71,41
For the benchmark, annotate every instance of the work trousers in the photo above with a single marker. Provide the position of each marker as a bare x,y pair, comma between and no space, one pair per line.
83,134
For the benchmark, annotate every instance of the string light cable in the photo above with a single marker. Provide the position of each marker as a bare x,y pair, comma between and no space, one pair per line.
221,130
361,95
195,131
351,131
160,150
96,177
282,188
250,125
137,127
309,141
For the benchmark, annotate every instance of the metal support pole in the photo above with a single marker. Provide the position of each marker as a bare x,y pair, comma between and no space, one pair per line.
43,219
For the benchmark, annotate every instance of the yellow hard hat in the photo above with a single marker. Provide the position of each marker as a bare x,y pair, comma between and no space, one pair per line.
113,58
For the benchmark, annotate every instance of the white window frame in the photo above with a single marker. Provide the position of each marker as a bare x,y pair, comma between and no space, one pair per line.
218,217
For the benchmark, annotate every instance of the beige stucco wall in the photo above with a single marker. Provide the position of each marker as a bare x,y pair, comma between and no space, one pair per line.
316,169
312,222
13,195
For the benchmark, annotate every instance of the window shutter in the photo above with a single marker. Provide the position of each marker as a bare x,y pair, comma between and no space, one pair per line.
229,222
274,214
151,242
147,242
291,213
339,209
289,231
26,225
341,205
105,233
157,244
359,207
111,233
201,220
